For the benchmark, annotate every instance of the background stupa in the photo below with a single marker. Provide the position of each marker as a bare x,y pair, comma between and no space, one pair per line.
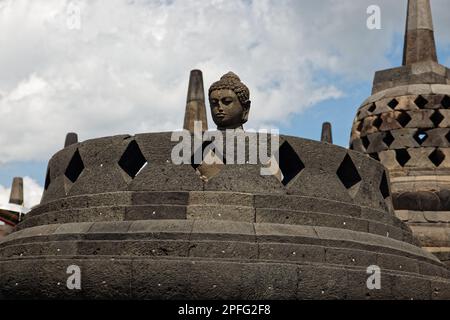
406,125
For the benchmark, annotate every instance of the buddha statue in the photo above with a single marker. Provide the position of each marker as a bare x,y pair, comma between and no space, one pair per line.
230,102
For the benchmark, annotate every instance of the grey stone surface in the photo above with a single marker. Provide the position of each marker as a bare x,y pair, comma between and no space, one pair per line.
162,212
221,212
223,230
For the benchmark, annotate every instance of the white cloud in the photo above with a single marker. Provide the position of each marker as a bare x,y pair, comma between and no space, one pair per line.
126,69
32,193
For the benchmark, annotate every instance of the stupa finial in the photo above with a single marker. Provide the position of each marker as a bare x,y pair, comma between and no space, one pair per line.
17,192
195,104
419,37
327,135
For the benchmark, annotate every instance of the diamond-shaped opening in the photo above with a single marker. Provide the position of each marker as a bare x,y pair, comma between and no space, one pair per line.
384,186
377,123
437,157
205,145
365,142
347,173
420,136
75,167
47,179
402,156
388,139
437,118
403,119
360,126
375,156
372,108
446,102
393,104
132,160
421,102
448,136
290,163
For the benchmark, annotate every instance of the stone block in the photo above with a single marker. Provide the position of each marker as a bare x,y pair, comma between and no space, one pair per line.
161,212
108,178
330,285
222,230
410,288
167,177
298,253
311,182
274,281
220,198
161,229
397,263
223,250
350,257
171,282
283,233
221,212
107,279
216,280
73,228
154,198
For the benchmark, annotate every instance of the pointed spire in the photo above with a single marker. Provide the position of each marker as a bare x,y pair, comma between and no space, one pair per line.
195,105
419,37
327,135
17,192
71,138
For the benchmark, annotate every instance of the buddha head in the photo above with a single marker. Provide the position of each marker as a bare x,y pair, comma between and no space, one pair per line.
230,102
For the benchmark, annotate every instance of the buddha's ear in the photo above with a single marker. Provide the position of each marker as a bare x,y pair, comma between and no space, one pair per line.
246,107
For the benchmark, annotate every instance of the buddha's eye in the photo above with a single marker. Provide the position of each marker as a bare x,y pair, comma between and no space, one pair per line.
214,101
227,101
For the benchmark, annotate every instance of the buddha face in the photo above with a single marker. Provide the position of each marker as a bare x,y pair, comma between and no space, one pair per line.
227,111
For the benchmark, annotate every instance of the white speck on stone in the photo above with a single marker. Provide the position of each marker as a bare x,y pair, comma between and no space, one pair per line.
159,284
59,283
219,214
58,250
270,288
294,253
353,260
17,284
104,282
214,286
323,292
345,223
401,267
101,165
153,251
223,251
154,212
387,234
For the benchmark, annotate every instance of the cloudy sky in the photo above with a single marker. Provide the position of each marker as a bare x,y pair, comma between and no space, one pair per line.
105,67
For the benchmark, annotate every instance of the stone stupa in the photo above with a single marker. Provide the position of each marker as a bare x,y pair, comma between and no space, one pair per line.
12,213
406,125
140,227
